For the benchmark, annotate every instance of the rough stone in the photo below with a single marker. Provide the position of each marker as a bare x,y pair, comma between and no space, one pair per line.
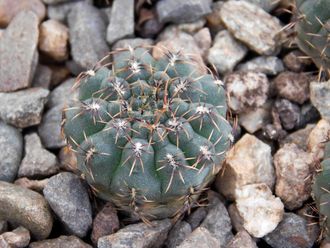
11,147
182,11
249,161
120,27
23,108
178,233
60,242
42,77
201,238
133,42
10,8
53,40
85,21
35,185
226,52
289,113
292,232
317,138
269,65
252,25
246,90
106,222
260,209
18,49
139,235
37,162
18,238
320,97
68,198
296,61
293,175
26,208
299,137
242,239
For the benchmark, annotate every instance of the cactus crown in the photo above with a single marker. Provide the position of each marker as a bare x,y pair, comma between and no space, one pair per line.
149,134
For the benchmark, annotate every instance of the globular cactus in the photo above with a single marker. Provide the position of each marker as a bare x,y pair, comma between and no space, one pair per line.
321,193
313,31
149,134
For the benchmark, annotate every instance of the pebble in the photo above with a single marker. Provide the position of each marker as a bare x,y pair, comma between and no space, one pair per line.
248,161
317,138
292,86
299,137
293,168
53,40
55,1
269,65
68,198
217,222
106,222
63,95
68,159
191,27
201,238
309,114
60,242
320,98
260,209
252,25
3,226
139,235
267,5
182,11
85,21
214,21
42,77
23,108
151,28
18,49
255,119
26,208
289,113
196,217
18,238
246,90
296,61
11,147
133,42
292,232
226,52
120,27
204,40
178,234
242,239
35,185
236,219
60,12
10,8
60,73
37,161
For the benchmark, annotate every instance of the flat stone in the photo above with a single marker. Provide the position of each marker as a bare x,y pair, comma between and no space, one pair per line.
139,235
242,239
53,40
11,146
42,77
217,222
106,222
133,42
60,242
298,137
35,185
23,108
260,210
182,11
18,49
18,238
178,233
292,232
26,208
240,16
85,21
293,175
69,200
288,113
317,139
226,52
10,8
37,161
249,161
320,98
201,238
120,27
246,90
269,65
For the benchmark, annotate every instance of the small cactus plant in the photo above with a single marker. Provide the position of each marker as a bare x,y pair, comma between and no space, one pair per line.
321,193
313,31
149,134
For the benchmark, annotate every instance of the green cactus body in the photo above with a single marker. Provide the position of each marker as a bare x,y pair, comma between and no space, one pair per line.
321,193
149,134
313,31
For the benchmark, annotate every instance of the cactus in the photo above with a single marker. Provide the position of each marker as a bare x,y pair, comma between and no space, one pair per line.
149,134
313,31
321,193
